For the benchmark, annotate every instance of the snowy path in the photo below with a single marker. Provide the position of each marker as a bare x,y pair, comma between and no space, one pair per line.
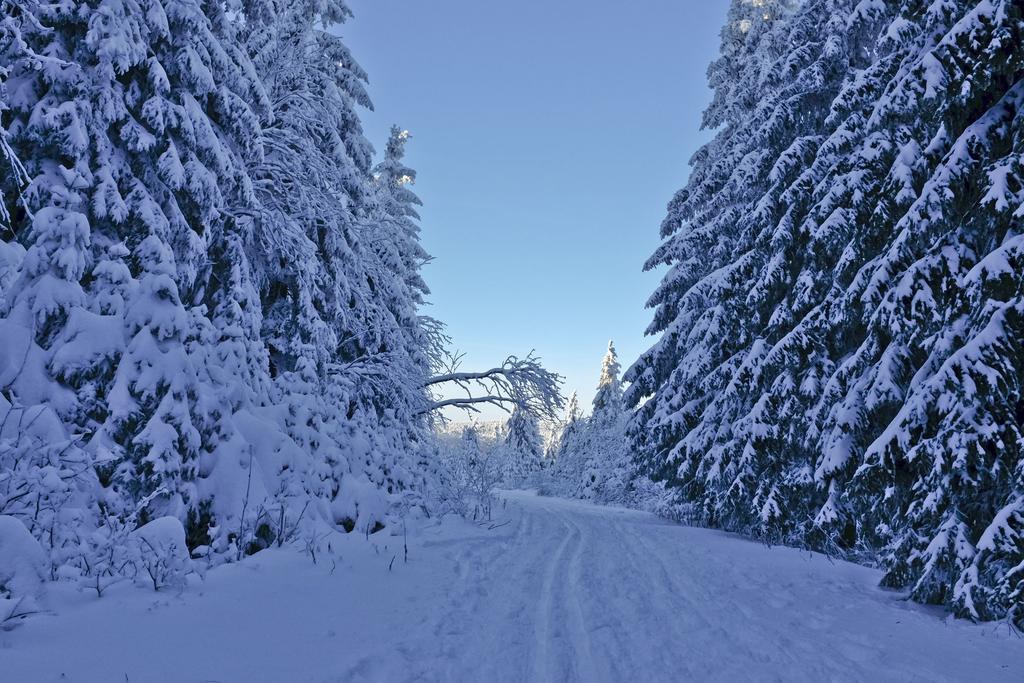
562,591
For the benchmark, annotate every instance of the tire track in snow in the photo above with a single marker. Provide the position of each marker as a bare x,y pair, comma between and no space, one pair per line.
563,615
665,626
491,610
584,660
541,668
574,592
616,616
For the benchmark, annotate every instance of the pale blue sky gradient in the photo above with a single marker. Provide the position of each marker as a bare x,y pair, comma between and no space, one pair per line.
548,136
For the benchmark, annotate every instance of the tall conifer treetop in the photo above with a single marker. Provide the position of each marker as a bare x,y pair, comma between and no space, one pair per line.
608,399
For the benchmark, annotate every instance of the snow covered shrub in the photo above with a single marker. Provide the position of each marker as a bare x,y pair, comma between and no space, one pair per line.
104,557
472,467
45,477
159,555
23,569
657,498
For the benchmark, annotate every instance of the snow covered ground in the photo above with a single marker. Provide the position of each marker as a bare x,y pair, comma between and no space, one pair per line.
557,590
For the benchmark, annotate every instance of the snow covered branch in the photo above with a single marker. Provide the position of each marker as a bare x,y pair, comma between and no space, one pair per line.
517,383
466,402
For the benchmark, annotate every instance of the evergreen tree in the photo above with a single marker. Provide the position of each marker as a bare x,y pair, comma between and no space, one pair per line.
608,398
397,239
839,362
593,455
607,468
571,427
214,295
15,18
339,252
524,449
569,449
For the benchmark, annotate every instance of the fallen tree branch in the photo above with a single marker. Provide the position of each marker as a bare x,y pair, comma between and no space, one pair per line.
521,383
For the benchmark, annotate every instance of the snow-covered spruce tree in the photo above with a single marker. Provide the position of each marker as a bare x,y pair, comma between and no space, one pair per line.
16,16
136,133
567,448
608,470
593,454
394,234
340,256
704,240
209,302
311,182
607,403
153,436
47,119
840,361
949,297
523,450
181,137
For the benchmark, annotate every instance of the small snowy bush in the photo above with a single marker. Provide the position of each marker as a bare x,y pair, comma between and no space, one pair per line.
159,554
104,557
23,569
472,468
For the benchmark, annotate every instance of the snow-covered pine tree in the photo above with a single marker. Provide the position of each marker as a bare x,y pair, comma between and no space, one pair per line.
569,449
173,170
341,291
607,403
523,448
608,469
571,428
839,362
200,275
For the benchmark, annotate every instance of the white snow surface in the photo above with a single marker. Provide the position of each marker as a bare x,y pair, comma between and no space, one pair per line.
22,560
551,590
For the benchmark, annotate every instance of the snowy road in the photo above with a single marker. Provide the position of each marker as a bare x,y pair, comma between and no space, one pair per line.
561,591
579,592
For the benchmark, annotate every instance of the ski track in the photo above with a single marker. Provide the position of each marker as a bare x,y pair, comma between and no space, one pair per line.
578,592
550,590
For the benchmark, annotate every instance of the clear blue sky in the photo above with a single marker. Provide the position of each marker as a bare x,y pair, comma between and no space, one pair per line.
548,136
